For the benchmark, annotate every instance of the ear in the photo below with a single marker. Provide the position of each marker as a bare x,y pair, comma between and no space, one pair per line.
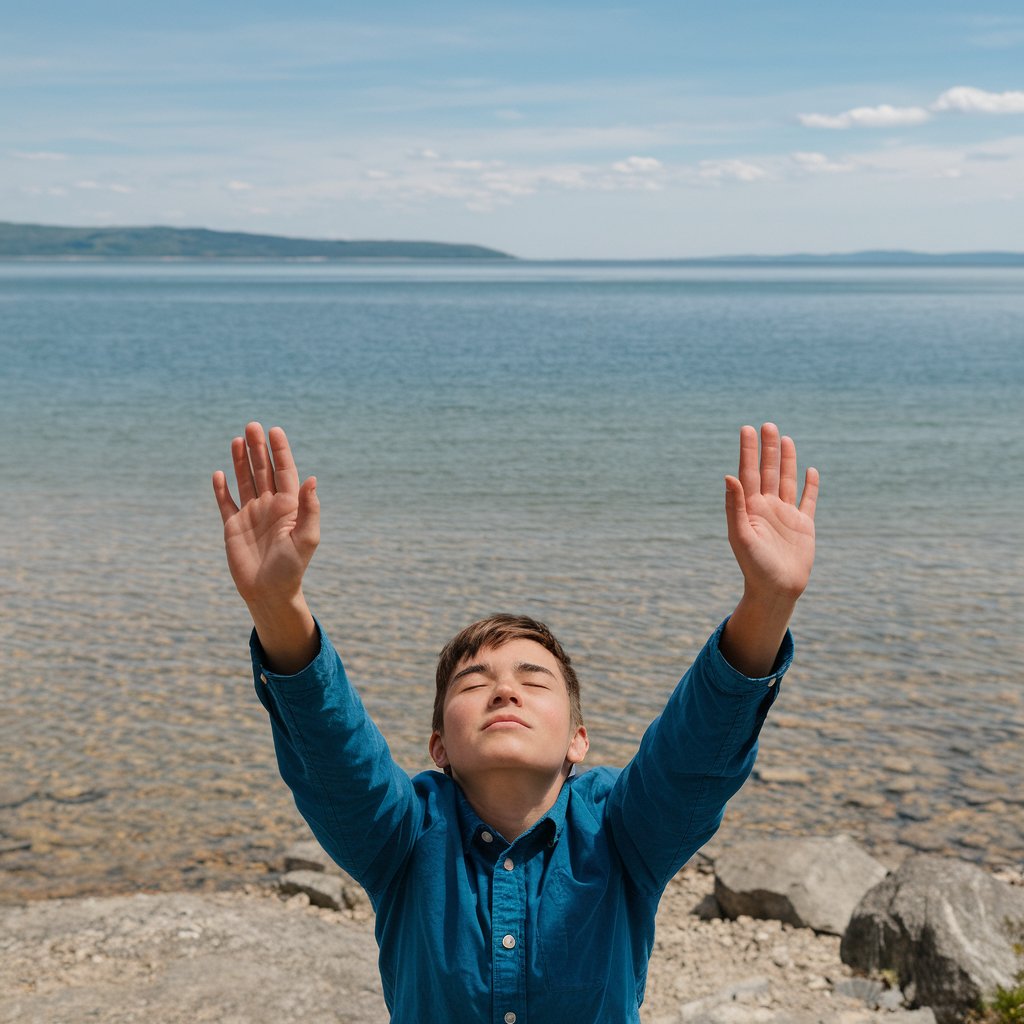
437,752
578,746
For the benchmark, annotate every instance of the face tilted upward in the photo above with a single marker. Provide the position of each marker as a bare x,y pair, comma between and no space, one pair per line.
508,707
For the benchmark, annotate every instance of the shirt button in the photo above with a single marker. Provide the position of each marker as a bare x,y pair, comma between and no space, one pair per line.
510,1018
487,837
509,941
263,677
508,865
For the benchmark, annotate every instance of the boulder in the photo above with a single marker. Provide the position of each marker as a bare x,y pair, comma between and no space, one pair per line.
946,927
334,891
810,883
308,855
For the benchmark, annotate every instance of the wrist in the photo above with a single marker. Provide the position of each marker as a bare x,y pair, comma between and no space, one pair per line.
753,635
287,632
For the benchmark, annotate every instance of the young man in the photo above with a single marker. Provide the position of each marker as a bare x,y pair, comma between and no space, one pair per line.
507,890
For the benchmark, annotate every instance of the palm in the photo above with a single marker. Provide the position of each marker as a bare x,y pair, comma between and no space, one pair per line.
771,536
271,535
260,543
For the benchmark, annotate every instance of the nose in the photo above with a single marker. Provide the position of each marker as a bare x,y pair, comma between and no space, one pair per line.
505,692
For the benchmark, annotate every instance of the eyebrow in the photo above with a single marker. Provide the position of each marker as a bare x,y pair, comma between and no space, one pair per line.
519,666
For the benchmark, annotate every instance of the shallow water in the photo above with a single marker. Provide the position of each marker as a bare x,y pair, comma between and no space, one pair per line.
538,437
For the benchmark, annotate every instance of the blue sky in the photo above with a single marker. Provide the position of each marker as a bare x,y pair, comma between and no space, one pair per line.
557,129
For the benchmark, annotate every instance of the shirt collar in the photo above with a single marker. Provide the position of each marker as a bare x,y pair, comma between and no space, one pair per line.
546,831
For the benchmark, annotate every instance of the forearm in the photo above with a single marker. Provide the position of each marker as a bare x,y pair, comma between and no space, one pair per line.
670,798
287,632
356,799
751,639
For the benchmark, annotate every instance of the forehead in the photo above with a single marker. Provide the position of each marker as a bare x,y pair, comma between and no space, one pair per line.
519,650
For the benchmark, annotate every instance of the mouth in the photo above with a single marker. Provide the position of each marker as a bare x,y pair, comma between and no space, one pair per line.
505,722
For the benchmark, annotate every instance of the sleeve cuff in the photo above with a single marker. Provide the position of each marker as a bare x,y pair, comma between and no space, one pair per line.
732,680
306,678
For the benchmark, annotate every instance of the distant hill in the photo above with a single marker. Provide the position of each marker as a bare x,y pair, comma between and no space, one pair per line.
877,258
37,240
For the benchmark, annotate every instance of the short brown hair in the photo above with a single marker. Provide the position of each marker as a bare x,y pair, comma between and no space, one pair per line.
496,631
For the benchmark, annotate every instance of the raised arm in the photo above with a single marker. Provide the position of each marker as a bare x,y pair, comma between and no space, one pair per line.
772,538
270,537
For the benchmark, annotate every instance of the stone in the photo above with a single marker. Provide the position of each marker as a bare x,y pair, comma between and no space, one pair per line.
891,999
945,927
809,883
867,990
308,855
323,890
707,908
721,1007
782,774
867,799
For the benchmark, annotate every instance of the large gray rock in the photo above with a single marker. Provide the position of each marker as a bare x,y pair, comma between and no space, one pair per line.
185,959
945,927
810,883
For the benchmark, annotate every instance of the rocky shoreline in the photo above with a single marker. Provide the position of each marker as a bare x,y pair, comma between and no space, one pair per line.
301,947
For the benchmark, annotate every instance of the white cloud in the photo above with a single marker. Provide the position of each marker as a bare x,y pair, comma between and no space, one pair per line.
969,100
731,170
883,116
40,155
963,98
89,185
239,186
818,163
637,165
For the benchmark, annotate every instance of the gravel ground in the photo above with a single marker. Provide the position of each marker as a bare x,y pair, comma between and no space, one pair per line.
252,957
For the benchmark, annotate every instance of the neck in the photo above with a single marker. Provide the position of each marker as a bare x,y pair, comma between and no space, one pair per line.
509,802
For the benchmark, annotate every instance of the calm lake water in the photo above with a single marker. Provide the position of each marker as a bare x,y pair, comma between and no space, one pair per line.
549,438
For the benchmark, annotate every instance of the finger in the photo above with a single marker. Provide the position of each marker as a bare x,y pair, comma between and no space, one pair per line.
809,501
749,475
787,471
220,491
307,526
735,508
262,468
770,458
243,471
285,473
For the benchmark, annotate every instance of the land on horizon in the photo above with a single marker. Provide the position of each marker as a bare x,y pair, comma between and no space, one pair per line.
39,241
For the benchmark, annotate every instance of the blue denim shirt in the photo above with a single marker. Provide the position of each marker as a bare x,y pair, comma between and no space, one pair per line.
556,927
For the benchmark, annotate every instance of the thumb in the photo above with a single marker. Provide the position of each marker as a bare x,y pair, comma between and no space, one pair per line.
307,524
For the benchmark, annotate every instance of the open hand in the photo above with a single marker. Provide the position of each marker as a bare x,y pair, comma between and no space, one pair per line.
270,536
771,535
